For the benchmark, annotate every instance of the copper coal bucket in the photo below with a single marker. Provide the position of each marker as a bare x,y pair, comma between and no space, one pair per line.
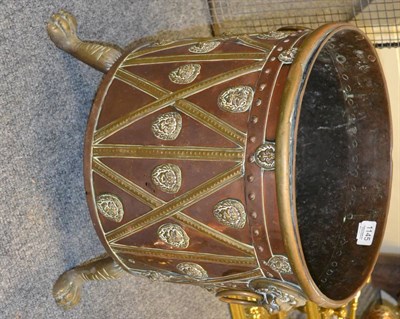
254,166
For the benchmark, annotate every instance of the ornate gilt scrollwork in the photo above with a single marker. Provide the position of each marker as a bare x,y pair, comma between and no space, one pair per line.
265,156
167,177
167,126
230,212
279,263
236,99
185,73
204,47
110,206
287,56
272,35
174,235
192,270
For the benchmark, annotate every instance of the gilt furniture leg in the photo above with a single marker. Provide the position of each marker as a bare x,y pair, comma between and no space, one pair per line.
67,289
62,31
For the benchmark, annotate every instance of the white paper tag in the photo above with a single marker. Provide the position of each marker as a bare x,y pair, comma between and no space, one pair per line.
366,232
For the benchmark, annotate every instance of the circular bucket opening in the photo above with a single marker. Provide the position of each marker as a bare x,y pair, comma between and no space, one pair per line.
342,164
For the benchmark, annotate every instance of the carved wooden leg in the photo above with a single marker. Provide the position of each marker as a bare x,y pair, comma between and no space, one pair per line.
67,289
62,31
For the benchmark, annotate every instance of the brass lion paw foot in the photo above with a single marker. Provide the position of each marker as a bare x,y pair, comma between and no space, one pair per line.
67,289
62,30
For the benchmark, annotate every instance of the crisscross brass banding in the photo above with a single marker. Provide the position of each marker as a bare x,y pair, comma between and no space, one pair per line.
187,58
178,203
168,152
185,255
153,202
171,98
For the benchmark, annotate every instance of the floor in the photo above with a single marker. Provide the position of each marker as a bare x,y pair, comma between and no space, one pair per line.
45,99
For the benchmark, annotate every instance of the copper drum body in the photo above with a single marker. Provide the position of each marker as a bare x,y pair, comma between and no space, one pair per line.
257,166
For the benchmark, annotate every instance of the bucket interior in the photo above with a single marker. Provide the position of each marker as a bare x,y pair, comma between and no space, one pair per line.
342,164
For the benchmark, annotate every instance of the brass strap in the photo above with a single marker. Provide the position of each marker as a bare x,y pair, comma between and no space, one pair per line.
168,152
185,255
153,202
250,42
169,99
199,114
178,203
209,57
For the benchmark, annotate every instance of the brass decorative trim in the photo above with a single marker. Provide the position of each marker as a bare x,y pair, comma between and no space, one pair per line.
171,45
255,44
173,235
167,126
265,156
192,270
272,35
168,99
110,206
195,58
287,56
236,99
207,119
185,255
204,47
278,295
153,202
231,213
212,122
141,84
174,206
125,184
167,178
279,263
168,152
214,234
185,74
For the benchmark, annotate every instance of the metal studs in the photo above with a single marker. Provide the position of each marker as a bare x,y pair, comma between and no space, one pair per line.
110,206
254,215
252,196
250,178
254,119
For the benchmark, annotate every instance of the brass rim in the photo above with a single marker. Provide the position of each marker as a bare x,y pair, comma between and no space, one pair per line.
239,297
285,145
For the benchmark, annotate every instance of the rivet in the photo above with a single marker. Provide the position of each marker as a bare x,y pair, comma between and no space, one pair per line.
260,248
256,232
254,119
262,87
272,59
258,102
252,139
252,159
345,77
279,49
267,71
371,58
252,196
254,215
286,40
250,178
